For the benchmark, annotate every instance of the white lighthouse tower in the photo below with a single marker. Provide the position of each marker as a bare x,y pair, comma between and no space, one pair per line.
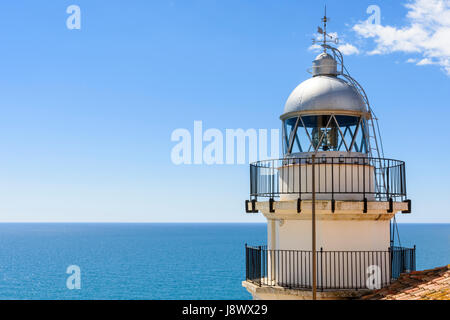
330,202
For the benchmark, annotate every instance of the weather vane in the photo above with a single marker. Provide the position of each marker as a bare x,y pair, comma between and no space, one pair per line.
323,31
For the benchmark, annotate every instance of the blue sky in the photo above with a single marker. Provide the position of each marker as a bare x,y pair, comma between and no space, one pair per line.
87,115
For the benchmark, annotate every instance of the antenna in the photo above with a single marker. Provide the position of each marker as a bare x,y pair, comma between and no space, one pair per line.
324,20
323,31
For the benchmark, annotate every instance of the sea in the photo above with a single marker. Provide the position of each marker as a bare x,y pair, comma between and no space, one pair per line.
151,261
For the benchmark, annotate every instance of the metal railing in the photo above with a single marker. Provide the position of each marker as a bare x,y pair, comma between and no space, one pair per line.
336,270
346,178
402,260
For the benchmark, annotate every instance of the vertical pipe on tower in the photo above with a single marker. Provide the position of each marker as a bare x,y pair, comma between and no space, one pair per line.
313,219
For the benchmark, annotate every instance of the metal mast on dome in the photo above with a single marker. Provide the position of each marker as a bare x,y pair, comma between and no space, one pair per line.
373,132
323,31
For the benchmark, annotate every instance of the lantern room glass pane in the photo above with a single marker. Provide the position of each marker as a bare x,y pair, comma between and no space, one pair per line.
322,131
289,126
326,133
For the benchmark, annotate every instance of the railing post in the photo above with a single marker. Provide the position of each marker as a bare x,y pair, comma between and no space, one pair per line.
259,266
402,259
401,180
299,180
388,195
332,179
404,179
390,265
246,262
321,269
273,179
364,179
251,180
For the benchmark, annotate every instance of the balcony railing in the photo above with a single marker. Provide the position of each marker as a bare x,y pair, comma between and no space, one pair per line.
339,178
336,270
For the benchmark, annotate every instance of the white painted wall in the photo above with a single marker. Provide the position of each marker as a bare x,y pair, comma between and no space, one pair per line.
341,178
272,235
334,235
339,269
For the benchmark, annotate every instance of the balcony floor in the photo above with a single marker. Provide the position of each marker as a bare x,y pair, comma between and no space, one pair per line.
344,209
279,293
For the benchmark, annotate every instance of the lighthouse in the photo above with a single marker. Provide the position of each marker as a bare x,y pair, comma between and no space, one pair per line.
331,200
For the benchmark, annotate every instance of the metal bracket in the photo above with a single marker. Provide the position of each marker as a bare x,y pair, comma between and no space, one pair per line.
299,205
271,209
246,206
391,206
365,205
409,206
254,206
253,209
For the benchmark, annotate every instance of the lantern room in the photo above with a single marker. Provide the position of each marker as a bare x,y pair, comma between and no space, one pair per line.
325,113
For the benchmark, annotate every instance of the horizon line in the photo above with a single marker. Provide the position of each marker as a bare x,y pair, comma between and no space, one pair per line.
177,222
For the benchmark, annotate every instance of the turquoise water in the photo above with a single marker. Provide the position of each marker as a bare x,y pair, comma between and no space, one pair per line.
152,261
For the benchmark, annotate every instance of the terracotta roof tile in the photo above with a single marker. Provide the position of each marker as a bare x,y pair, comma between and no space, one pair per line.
432,284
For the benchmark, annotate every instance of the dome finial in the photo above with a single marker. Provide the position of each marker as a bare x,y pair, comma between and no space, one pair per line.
323,31
324,20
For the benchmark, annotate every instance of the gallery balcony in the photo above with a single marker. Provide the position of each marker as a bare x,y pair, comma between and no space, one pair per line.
335,270
365,184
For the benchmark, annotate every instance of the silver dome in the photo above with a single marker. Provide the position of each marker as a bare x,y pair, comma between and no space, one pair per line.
324,93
